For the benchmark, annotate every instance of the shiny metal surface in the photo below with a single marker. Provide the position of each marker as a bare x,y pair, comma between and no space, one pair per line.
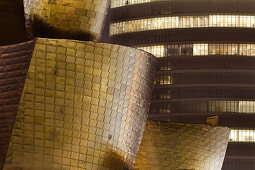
84,106
14,63
175,146
72,19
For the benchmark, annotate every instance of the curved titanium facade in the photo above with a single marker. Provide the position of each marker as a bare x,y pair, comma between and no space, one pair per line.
14,62
84,106
12,29
206,64
168,145
83,20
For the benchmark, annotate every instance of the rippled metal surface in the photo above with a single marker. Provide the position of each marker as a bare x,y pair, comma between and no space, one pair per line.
172,146
84,106
72,19
14,63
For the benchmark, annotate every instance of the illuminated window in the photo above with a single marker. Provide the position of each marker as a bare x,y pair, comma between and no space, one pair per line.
158,51
232,106
119,3
182,22
201,49
237,135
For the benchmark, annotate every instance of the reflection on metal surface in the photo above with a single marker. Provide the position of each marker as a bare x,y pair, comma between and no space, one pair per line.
14,61
168,145
84,106
83,19
213,120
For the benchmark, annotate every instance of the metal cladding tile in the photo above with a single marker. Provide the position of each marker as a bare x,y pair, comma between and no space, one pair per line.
82,107
14,63
72,19
175,146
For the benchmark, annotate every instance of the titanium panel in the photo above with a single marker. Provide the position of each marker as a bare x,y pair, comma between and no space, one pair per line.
72,19
178,146
14,63
84,106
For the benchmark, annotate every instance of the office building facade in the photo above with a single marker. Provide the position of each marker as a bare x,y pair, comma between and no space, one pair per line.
206,53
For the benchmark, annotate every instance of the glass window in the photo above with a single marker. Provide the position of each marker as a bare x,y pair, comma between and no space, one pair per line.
175,22
186,49
217,49
149,24
213,20
201,21
167,79
235,49
158,51
183,22
229,49
241,135
225,20
186,21
242,21
248,49
225,49
229,21
201,49
252,21
172,50
252,49
221,49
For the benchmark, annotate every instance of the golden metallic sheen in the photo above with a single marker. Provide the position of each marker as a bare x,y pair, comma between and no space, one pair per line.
84,106
14,61
75,19
175,146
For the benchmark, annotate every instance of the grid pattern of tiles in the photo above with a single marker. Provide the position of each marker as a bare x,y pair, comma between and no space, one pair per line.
172,146
84,106
75,19
14,63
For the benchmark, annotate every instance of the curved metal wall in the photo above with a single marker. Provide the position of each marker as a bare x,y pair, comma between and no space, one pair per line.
81,20
168,145
84,106
14,63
